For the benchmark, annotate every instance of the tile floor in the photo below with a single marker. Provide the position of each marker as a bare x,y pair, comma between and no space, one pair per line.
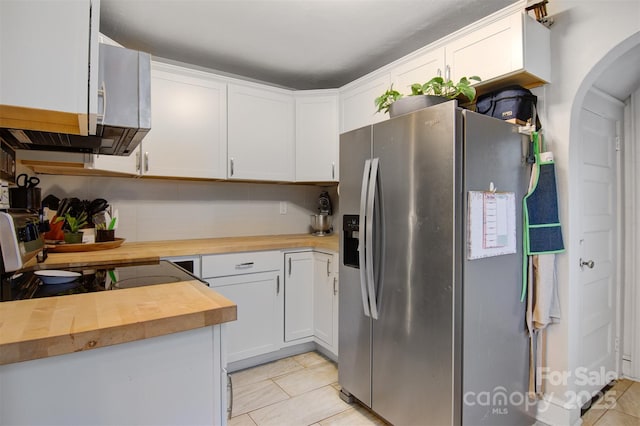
300,390
620,406
303,390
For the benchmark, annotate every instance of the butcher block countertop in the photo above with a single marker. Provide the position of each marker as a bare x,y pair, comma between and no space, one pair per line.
39,328
154,250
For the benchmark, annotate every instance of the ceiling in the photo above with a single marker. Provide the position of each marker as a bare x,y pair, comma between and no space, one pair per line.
299,44
619,80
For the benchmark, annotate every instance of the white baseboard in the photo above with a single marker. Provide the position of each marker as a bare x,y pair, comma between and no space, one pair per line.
554,412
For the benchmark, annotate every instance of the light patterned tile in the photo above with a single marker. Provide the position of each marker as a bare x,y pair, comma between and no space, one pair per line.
357,415
629,402
243,420
304,409
620,387
256,395
336,386
592,416
310,378
265,371
310,359
617,418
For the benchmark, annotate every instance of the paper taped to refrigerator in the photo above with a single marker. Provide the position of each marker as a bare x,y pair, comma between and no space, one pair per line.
491,224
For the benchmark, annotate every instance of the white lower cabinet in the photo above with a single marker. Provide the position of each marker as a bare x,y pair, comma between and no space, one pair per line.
298,296
325,301
259,300
284,299
254,283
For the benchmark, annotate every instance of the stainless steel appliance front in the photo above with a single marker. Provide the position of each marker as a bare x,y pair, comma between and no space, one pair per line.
409,335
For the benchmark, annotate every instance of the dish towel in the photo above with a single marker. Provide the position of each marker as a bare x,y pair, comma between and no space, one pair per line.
542,239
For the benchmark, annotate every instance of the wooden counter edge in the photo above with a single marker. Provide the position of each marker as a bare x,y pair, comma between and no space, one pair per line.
132,252
32,349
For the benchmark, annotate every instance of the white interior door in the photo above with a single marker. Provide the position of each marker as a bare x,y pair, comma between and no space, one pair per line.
600,120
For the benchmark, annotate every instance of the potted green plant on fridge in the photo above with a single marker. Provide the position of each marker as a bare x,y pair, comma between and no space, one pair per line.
72,226
434,91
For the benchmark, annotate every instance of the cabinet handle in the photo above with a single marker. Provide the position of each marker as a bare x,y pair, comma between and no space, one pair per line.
244,265
146,162
138,161
335,289
229,393
289,266
230,167
447,73
333,171
439,73
277,284
102,92
328,272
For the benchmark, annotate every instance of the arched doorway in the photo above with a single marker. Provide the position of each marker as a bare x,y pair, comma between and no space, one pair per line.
607,224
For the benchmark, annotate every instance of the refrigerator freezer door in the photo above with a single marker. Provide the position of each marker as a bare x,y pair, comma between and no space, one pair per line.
413,344
495,357
354,358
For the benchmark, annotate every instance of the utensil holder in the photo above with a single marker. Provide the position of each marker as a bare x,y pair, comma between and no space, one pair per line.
24,198
103,235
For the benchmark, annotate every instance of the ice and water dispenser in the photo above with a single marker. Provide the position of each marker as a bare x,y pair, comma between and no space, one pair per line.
350,229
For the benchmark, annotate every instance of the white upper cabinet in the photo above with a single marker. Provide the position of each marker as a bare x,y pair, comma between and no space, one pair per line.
516,45
357,102
188,136
418,70
261,136
49,61
317,136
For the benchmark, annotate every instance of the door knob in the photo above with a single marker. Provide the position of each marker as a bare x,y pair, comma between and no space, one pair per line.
588,263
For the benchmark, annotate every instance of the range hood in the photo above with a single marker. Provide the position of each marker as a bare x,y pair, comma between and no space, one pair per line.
124,110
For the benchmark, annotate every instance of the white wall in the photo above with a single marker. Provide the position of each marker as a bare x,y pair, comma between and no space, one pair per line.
584,32
153,209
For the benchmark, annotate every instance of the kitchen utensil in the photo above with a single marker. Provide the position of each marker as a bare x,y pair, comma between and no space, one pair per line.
54,276
24,181
63,207
51,201
26,195
96,206
321,224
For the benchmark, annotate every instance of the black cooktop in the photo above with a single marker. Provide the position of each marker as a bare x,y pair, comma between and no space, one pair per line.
29,285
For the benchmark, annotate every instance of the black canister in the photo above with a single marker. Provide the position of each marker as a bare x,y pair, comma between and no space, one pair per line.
24,198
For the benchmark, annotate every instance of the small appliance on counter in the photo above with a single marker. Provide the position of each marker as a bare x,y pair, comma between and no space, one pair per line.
321,223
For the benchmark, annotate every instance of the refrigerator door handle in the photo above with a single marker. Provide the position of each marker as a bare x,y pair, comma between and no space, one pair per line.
361,237
371,197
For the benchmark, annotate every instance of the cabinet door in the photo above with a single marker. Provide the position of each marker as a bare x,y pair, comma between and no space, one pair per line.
489,52
357,106
259,325
45,64
317,136
298,296
323,297
129,165
418,70
261,133
188,128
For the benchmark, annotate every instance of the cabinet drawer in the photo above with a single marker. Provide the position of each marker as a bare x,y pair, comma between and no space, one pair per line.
221,265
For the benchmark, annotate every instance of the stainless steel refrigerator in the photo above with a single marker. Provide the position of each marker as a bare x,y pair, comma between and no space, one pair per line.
428,337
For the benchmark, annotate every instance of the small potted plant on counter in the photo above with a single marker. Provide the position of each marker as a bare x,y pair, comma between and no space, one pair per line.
434,91
72,226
